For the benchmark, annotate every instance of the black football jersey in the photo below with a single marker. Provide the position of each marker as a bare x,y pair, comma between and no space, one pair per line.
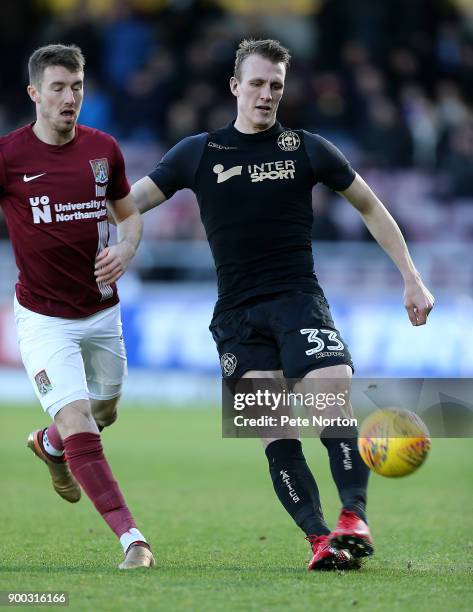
255,197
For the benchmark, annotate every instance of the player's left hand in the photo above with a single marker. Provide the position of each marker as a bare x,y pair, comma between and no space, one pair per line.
418,301
112,262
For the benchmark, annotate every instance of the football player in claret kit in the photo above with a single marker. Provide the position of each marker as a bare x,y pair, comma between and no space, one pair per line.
253,180
55,179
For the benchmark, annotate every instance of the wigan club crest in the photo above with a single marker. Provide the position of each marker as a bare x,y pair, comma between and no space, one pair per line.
100,169
228,362
289,141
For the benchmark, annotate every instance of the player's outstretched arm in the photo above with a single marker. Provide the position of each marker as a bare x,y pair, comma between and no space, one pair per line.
147,194
417,298
112,262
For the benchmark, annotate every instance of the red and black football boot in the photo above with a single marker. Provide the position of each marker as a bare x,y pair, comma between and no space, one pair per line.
352,534
327,558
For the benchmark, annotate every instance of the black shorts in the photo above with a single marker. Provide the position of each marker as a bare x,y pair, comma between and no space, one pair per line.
293,332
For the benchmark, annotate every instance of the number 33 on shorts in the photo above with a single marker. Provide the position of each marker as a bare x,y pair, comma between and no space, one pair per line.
331,342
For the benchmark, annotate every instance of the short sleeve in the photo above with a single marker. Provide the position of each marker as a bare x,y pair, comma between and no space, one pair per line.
329,164
118,187
178,167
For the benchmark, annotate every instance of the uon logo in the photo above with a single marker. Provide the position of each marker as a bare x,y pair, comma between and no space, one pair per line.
41,209
289,141
224,175
228,361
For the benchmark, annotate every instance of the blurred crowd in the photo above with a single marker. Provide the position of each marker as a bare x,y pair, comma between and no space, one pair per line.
390,82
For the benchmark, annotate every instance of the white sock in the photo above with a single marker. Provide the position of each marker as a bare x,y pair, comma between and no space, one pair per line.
130,536
49,448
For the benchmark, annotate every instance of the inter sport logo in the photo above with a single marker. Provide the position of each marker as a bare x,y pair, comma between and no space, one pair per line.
272,171
289,141
224,175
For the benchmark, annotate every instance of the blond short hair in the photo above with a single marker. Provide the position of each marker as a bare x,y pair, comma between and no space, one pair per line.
268,48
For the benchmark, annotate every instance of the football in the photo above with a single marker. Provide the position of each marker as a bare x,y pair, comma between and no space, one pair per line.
393,442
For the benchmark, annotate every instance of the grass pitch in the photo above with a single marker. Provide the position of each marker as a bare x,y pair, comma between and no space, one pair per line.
221,539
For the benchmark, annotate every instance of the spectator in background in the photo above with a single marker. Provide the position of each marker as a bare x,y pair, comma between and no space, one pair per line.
423,122
457,161
97,108
141,109
128,42
382,70
324,227
385,138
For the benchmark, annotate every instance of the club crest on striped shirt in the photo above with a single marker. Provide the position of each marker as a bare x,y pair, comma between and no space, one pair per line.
100,169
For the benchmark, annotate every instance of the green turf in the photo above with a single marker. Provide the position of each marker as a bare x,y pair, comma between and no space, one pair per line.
221,540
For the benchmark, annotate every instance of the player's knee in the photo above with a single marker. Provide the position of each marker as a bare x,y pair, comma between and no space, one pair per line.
105,411
75,417
107,419
339,373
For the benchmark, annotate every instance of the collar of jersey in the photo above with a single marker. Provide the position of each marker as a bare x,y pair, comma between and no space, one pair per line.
52,147
264,135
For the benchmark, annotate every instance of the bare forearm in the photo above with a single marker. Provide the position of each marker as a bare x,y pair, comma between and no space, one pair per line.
130,230
146,194
386,232
417,298
381,225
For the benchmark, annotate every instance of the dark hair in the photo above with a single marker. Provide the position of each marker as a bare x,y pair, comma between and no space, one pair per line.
68,56
268,48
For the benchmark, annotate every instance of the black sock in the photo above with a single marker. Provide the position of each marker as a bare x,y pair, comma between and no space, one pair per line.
348,469
295,486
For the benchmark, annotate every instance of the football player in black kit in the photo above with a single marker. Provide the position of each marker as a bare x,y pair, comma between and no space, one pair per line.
253,180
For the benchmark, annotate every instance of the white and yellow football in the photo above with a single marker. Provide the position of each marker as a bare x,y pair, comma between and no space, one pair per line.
393,442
